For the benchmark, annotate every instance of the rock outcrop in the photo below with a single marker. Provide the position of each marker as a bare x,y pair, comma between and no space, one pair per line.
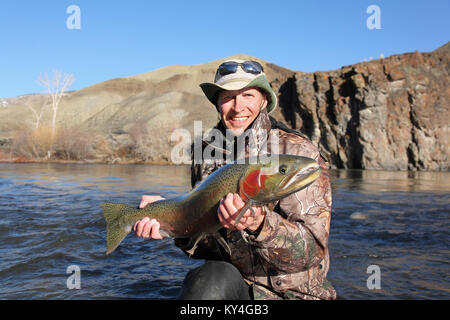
391,113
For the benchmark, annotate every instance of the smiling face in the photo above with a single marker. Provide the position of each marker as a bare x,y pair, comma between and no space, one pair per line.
239,108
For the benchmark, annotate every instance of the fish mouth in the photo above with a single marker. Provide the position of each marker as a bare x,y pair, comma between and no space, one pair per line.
302,177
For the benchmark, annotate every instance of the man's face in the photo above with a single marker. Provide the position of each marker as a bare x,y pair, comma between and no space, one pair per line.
239,108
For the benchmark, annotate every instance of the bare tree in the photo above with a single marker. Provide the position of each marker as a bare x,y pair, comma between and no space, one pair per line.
38,113
56,86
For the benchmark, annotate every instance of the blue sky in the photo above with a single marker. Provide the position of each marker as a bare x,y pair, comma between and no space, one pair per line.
124,38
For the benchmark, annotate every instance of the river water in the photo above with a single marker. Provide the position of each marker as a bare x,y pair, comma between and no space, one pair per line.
389,234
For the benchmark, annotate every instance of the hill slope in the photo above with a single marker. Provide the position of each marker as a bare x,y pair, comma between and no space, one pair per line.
390,113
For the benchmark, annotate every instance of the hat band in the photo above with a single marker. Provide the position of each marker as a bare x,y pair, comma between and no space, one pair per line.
235,78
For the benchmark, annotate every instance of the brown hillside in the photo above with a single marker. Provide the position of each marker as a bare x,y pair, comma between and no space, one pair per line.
390,113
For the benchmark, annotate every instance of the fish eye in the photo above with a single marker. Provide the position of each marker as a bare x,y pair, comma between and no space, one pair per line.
283,169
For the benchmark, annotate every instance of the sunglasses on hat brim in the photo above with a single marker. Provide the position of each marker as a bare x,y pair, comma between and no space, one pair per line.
229,67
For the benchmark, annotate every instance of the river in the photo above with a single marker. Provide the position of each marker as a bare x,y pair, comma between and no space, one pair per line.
389,234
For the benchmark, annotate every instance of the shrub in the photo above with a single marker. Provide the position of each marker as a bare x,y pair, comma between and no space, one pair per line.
69,143
32,143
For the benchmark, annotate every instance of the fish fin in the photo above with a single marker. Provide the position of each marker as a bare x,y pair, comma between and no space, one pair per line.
196,240
252,211
164,233
216,235
222,242
248,206
115,231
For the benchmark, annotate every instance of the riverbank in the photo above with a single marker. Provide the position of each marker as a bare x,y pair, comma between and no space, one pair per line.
153,163
93,161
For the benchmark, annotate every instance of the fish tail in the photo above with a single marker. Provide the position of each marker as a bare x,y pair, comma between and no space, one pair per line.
115,230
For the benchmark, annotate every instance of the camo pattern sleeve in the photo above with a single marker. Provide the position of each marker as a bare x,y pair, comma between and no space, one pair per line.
289,257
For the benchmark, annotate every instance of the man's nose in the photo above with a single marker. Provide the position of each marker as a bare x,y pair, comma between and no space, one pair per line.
238,103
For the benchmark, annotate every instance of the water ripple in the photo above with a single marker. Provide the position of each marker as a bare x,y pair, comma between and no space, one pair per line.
51,219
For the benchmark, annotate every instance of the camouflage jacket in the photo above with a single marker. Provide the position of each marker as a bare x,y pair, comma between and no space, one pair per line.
288,258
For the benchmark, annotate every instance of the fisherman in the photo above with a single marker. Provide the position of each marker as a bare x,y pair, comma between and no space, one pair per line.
280,250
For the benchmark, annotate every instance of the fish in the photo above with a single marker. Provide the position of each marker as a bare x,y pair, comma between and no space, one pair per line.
194,215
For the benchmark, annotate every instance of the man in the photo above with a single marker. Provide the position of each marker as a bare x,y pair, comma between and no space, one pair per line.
280,252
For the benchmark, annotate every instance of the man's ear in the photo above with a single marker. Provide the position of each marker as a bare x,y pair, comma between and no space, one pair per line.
265,102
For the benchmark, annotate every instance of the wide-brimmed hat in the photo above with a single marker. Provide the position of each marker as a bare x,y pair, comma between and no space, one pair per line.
240,79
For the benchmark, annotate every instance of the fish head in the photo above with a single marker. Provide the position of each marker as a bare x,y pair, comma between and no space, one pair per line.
277,178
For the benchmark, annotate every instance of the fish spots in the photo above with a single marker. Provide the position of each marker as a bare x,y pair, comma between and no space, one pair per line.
252,184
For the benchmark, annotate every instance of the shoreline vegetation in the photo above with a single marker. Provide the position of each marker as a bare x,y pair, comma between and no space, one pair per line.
71,145
20,160
74,145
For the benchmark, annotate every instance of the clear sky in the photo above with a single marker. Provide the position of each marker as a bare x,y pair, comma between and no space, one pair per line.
124,38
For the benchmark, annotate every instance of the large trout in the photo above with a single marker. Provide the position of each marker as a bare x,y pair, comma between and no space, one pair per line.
194,215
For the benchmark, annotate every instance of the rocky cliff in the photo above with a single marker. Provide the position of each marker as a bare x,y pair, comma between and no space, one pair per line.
390,113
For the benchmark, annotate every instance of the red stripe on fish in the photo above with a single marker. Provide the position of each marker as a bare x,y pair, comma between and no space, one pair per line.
252,184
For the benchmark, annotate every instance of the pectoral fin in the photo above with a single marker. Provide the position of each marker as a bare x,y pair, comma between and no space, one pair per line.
200,237
248,206
222,242
195,241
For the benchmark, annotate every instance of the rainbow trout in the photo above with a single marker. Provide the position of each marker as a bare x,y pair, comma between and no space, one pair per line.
194,215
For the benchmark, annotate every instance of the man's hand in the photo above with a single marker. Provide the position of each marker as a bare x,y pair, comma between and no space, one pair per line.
228,211
147,228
